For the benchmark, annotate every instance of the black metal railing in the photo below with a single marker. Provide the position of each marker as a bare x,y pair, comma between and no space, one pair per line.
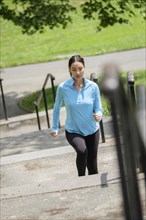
132,100
43,95
130,88
94,78
141,117
3,99
129,141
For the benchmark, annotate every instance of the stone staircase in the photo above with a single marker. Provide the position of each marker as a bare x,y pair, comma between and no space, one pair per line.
39,179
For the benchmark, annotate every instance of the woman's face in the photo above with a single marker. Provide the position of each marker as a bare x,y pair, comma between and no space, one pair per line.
77,70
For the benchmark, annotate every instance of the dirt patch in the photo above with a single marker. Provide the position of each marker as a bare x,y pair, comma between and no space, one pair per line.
53,212
36,165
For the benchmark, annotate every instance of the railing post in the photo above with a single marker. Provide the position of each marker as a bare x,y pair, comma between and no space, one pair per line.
3,99
53,88
43,93
141,117
46,107
141,109
37,113
94,78
131,96
130,87
102,131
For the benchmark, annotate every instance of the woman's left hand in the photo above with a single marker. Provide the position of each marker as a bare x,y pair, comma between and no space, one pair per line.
97,117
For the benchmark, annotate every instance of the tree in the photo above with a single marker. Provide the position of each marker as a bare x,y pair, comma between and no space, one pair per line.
35,15
110,12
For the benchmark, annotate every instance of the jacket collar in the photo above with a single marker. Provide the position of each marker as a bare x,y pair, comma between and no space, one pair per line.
72,81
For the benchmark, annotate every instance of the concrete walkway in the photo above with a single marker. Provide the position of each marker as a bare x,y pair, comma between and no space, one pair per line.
23,80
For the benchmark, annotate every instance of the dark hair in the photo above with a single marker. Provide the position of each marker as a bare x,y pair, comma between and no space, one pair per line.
75,58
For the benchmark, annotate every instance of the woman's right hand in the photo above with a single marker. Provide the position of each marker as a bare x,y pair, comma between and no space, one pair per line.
53,134
97,117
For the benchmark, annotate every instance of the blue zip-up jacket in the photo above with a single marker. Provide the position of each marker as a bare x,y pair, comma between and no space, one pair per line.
80,107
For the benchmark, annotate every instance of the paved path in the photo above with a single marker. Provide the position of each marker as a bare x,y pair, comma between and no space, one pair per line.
22,80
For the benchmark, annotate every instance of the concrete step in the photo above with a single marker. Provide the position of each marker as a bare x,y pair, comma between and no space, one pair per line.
44,185
56,161
39,140
85,202
30,142
66,184
52,170
27,123
30,155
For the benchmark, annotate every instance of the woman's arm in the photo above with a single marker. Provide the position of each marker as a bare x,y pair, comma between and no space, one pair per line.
56,112
97,105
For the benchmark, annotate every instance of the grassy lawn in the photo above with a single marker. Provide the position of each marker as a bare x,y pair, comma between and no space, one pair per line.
27,102
79,37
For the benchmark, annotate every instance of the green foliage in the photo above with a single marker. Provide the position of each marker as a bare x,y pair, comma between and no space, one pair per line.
34,15
105,106
110,12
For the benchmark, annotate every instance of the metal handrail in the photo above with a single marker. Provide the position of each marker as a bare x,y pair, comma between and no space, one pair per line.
132,99
43,94
128,139
3,99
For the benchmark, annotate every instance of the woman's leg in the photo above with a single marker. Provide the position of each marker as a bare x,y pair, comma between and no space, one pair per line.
92,142
78,143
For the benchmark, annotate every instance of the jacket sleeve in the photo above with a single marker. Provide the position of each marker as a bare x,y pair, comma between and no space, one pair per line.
97,102
57,108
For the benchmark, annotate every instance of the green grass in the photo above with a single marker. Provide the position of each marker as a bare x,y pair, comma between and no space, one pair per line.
27,102
79,37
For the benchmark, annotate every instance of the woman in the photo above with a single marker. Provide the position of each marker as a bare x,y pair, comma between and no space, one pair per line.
83,106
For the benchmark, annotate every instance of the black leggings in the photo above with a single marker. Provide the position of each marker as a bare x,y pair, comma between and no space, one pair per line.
86,148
